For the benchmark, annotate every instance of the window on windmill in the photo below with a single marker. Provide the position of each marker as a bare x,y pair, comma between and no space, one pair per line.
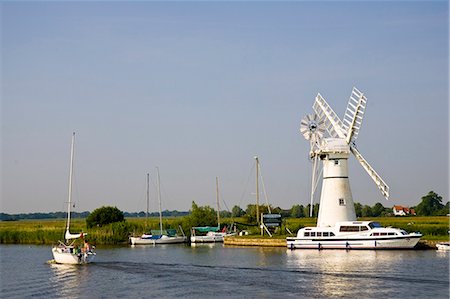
336,162
341,202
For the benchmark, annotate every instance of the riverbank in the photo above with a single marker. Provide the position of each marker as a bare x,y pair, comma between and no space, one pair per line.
434,229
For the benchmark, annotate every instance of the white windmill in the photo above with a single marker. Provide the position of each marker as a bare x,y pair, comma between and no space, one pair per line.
336,203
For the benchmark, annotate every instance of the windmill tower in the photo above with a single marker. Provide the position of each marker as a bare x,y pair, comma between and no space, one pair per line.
336,202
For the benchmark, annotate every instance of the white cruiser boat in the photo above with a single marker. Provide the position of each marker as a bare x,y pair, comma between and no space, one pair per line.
68,252
353,235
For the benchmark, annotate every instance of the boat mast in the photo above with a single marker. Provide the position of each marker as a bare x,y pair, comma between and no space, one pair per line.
159,199
217,199
148,197
69,203
257,189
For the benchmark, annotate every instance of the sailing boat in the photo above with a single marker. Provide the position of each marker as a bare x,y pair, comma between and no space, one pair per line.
161,236
67,252
144,239
210,234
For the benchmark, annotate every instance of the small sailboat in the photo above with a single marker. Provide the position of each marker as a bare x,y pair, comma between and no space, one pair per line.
160,236
145,238
67,252
210,234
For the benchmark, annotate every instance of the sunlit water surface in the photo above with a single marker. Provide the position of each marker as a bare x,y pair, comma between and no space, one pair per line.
170,271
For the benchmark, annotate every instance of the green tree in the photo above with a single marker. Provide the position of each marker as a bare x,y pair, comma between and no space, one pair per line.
431,204
104,215
250,212
297,211
377,209
236,211
202,216
358,209
366,211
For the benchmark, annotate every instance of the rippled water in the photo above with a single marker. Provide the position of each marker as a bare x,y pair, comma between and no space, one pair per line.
218,271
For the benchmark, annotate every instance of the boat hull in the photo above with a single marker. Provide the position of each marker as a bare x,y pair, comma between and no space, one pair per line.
62,256
154,241
207,239
394,242
443,246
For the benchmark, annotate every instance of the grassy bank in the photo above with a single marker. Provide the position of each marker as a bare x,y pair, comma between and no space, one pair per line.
50,231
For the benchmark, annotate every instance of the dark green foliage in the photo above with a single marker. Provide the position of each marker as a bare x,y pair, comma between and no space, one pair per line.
104,215
366,211
297,211
236,211
431,204
358,209
202,216
250,212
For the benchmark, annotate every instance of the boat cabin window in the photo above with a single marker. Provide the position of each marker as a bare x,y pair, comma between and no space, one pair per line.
306,234
345,228
325,234
352,228
319,234
375,234
374,224
341,202
391,234
313,234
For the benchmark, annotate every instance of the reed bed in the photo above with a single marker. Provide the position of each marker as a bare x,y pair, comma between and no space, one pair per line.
50,231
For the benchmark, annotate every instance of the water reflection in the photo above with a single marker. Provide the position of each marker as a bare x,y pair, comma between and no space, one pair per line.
67,279
340,273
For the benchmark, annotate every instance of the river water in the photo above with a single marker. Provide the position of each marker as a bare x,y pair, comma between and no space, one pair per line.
206,271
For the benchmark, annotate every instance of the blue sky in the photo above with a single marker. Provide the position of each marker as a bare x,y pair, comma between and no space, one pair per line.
200,88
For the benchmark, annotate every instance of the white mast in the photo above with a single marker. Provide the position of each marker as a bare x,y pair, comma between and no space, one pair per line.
257,189
148,197
159,199
217,199
69,203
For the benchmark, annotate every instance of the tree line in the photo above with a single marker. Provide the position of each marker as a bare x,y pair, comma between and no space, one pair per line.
430,205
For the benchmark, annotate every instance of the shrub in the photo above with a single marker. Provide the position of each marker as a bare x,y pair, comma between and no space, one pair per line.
104,215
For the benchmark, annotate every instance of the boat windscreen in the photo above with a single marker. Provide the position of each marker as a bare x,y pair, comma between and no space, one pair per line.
205,229
374,224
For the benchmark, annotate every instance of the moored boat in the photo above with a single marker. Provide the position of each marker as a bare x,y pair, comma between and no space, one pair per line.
161,236
210,234
353,235
443,246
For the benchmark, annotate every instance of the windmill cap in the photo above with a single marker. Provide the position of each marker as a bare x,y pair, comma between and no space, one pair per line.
334,145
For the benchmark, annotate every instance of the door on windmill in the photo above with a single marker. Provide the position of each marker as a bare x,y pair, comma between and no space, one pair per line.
271,221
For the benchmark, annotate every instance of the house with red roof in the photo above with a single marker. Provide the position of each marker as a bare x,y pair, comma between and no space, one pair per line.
403,211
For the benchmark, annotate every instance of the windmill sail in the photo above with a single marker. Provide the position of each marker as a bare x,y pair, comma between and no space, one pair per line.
354,115
384,188
333,124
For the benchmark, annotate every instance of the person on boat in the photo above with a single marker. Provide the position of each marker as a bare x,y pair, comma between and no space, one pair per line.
86,247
